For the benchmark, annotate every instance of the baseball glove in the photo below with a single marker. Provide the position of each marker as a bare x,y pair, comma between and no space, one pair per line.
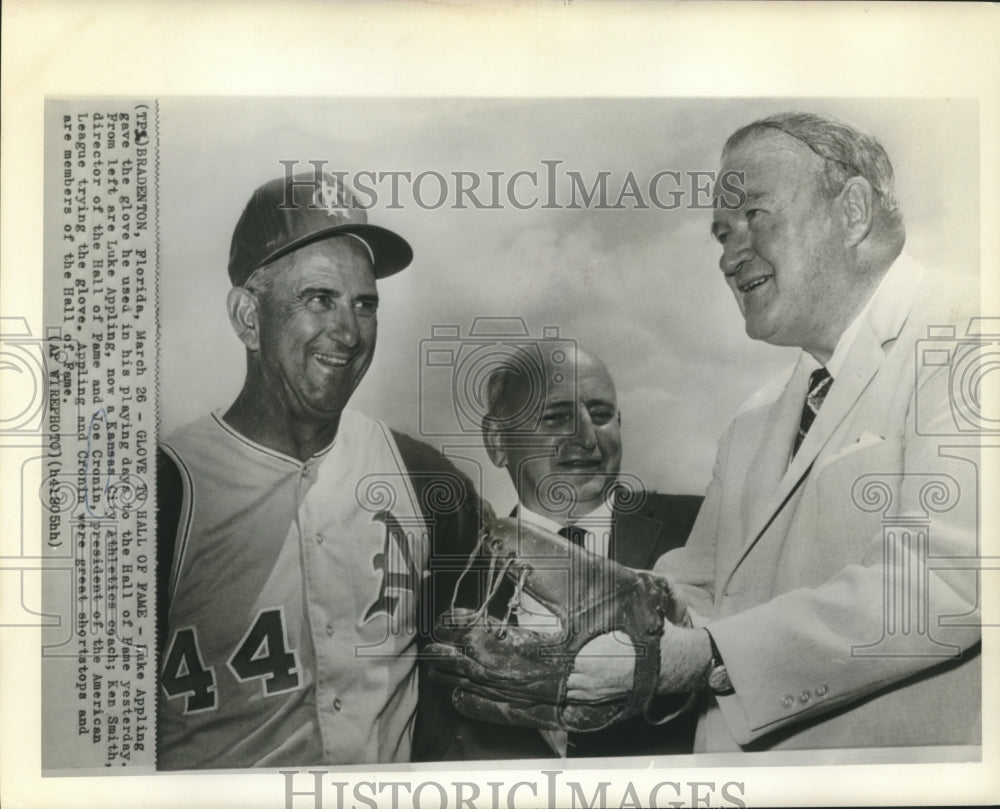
504,671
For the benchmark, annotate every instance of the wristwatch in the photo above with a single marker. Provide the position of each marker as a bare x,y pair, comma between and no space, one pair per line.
718,677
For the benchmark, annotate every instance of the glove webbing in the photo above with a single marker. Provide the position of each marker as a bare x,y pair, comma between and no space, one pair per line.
646,672
494,578
646,675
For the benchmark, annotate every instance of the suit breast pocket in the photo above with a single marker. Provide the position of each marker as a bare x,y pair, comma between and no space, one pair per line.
851,488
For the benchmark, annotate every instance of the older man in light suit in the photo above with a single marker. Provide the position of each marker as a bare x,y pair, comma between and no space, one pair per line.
828,574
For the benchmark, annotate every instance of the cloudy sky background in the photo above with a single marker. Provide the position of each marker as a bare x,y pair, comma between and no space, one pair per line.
641,288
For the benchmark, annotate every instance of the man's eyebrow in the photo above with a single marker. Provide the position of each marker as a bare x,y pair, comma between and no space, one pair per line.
307,292
753,196
333,292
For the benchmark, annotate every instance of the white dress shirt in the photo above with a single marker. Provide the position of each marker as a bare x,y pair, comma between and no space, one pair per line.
532,614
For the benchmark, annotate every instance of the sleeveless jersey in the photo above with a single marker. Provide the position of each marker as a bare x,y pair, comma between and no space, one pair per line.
293,595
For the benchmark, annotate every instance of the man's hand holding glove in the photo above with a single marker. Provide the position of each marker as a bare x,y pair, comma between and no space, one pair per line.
603,666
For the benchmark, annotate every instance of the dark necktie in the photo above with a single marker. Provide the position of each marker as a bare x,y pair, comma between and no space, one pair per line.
820,382
574,533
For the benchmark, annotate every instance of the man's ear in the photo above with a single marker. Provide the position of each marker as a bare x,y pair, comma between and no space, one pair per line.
858,200
243,315
493,439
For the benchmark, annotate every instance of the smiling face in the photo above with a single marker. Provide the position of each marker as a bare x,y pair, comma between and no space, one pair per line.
783,250
317,329
575,449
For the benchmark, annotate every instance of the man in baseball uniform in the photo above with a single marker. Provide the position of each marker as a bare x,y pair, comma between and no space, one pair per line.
294,535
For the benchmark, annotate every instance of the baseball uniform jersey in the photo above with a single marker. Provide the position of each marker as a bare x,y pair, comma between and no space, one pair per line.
291,636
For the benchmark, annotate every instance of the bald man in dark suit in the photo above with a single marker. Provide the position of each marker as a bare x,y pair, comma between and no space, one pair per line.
558,434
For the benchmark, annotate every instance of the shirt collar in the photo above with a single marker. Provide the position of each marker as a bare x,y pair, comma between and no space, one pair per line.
598,517
846,340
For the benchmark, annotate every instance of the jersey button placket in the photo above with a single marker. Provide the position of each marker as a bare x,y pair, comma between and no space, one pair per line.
320,629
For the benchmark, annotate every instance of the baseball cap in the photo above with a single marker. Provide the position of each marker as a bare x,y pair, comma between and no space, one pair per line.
299,209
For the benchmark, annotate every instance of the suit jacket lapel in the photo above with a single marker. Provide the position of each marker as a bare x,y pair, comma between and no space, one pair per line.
770,466
641,534
638,550
860,366
882,325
